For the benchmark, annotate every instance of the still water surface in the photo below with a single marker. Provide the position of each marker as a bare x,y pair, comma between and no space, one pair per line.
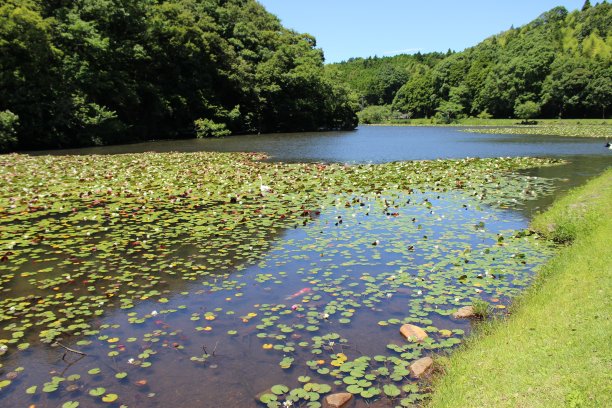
325,254
371,144
586,157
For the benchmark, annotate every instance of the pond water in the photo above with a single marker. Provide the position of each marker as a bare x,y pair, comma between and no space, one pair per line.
214,296
371,144
586,157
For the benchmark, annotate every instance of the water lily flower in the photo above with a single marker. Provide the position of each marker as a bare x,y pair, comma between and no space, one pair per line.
295,307
131,361
287,403
154,313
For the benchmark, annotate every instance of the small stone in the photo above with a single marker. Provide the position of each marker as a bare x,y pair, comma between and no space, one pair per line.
412,332
465,312
72,388
339,400
421,367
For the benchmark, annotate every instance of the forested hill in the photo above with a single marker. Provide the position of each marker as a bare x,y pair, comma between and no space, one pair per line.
83,72
559,65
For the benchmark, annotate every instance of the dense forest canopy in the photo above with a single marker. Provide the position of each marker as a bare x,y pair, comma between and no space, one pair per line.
92,72
83,72
559,65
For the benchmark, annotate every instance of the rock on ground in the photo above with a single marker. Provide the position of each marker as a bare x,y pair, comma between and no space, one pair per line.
464,313
412,332
421,367
339,400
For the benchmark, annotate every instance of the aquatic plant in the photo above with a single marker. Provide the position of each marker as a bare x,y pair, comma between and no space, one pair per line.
600,131
133,260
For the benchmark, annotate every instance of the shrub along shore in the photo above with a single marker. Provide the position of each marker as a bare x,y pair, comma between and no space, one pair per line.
555,349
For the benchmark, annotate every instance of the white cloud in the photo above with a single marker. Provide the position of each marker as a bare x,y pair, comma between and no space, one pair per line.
404,51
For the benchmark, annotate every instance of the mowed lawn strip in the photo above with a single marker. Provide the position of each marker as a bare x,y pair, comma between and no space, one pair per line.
555,349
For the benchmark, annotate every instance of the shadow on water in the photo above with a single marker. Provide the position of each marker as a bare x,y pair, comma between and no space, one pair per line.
574,173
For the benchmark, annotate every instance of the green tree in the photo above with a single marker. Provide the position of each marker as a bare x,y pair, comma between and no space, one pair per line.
417,97
526,110
504,70
448,111
31,82
105,71
599,93
375,114
385,84
8,129
565,90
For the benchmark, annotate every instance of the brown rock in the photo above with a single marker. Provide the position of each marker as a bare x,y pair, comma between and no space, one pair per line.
412,332
421,367
464,313
339,400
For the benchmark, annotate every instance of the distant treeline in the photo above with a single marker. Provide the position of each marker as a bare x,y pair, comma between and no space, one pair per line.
88,72
557,66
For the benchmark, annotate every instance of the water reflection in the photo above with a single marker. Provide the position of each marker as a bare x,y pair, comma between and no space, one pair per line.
372,144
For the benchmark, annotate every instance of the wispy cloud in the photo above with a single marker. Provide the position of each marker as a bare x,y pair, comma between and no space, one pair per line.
404,51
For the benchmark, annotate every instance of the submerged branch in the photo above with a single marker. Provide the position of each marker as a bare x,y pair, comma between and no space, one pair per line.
57,343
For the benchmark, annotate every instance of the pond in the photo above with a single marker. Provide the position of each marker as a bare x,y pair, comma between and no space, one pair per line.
214,279
586,157
371,144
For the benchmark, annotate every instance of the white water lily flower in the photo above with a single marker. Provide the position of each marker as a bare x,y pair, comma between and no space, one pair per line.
154,313
131,361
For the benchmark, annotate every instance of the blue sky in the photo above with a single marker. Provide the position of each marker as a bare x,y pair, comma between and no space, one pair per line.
358,28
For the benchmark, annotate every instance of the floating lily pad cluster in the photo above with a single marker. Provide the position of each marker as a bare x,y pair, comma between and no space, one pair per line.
578,130
194,248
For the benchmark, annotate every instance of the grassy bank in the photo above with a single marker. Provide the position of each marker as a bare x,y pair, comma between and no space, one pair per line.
555,349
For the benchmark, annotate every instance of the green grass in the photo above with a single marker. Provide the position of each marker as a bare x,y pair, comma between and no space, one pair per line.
555,350
481,307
